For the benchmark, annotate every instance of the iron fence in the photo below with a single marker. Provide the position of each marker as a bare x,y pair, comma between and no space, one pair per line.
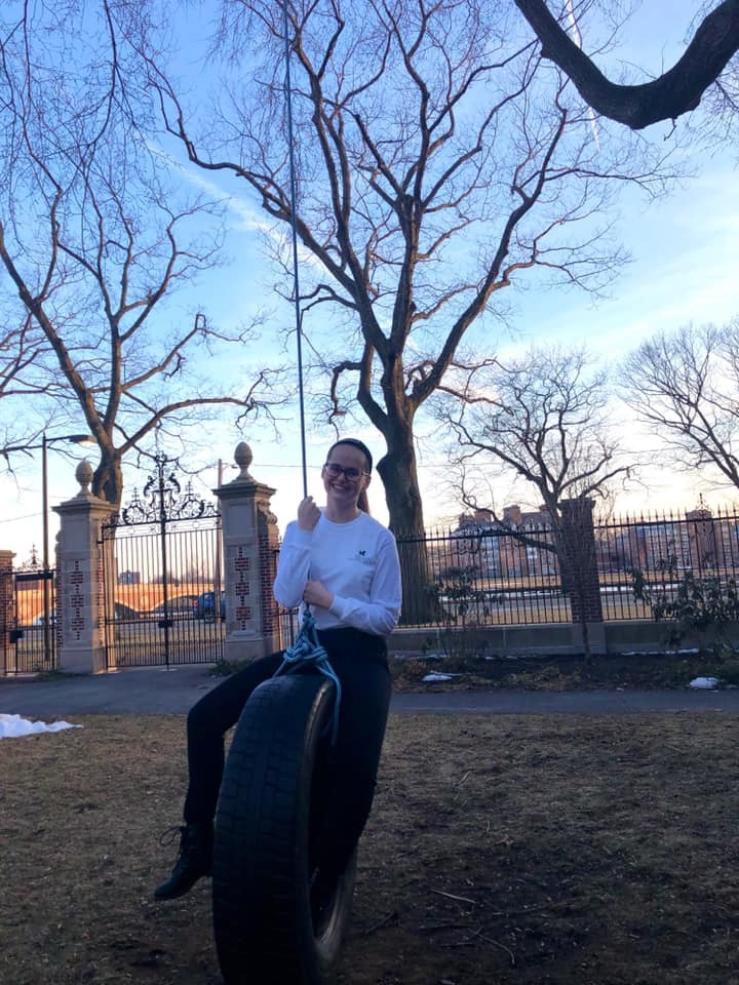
486,575
164,586
662,550
481,577
288,623
33,634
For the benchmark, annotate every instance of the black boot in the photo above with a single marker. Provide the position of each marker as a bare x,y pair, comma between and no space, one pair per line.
193,861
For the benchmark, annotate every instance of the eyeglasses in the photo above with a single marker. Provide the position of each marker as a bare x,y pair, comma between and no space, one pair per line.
335,471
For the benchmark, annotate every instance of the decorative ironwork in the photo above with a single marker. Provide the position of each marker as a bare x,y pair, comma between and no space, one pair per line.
162,500
161,504
33,563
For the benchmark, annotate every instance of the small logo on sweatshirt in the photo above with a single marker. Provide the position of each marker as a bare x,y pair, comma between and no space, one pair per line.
362,553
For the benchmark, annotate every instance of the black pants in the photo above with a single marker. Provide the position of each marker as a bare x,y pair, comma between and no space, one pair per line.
360,661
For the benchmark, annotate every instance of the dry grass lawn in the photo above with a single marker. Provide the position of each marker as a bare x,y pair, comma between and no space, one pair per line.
596,851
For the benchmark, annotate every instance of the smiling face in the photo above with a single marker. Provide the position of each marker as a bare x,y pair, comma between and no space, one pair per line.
342,490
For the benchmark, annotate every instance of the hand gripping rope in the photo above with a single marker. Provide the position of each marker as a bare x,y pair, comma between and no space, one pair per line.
306,649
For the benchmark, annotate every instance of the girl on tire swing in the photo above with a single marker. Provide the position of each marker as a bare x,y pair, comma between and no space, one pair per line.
344,564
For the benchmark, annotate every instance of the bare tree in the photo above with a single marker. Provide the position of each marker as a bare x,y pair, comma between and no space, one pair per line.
95,236
678,90
20,350
543,419
685,387
438,161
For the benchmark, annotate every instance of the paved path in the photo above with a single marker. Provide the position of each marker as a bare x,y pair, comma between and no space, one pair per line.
154,691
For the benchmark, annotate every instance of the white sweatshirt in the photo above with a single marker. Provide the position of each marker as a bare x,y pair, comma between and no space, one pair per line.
356,561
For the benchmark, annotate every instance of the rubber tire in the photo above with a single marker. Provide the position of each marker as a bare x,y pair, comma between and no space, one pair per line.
262,918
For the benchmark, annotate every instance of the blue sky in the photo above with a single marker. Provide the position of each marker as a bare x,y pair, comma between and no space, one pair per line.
683,268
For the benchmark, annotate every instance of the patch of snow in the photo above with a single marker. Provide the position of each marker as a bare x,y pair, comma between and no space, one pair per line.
432,678
684,652
13,726
706,683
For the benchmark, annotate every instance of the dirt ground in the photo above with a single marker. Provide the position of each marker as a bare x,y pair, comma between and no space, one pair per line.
566,673
501,850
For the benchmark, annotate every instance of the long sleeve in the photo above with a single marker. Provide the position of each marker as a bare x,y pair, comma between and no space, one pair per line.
293,566
379,614
357,562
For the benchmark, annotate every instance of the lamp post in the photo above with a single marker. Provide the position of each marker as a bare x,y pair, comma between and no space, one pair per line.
76,439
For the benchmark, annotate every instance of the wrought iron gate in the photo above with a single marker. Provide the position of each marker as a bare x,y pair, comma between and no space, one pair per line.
163,577
33,632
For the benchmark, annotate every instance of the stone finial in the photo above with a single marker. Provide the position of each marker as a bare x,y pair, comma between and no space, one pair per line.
83,474
243,457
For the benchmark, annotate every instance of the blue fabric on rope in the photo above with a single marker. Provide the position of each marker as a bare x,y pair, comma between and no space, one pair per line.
308,650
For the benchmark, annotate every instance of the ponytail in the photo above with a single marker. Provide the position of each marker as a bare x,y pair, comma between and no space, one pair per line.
363,502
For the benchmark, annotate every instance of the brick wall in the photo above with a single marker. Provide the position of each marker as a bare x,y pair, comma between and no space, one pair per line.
7,609
580,567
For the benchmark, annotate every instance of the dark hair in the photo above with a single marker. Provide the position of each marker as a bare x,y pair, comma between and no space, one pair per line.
362,501
355,443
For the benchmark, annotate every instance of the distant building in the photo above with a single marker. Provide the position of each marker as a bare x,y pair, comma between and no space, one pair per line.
491,548
474,546
700,543
129,578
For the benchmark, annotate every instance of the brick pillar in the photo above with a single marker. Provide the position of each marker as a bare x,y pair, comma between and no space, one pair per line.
80,588
250,545
7,612
580,570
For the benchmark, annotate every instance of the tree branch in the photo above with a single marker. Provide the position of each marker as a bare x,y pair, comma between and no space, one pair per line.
677,91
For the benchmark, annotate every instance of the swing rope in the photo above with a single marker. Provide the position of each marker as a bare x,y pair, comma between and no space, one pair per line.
294,230
307,649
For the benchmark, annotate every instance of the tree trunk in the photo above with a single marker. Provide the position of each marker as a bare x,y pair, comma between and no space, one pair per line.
399,475
107,482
